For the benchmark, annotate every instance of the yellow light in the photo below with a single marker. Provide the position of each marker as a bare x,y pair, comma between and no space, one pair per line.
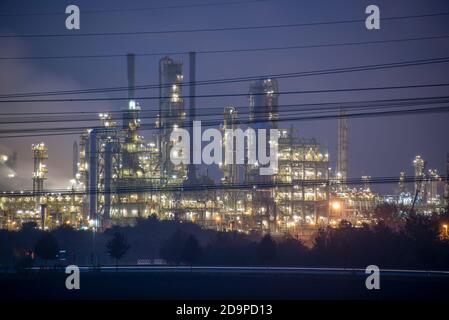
336,205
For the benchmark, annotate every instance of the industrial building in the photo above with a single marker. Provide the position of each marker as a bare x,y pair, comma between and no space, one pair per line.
426,194
118,175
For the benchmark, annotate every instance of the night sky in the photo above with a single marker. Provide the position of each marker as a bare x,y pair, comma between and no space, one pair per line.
381,146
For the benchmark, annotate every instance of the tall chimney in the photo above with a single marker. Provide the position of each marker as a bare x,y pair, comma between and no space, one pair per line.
342,145
192,114
75,157
131,75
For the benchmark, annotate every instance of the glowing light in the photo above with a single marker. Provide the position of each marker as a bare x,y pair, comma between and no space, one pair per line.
336,205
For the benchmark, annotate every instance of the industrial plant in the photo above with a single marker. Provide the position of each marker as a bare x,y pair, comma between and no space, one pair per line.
120,176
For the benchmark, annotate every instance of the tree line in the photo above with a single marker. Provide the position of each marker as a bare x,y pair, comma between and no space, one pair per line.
393,241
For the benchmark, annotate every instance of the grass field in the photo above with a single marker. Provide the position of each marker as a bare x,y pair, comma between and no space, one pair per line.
223,284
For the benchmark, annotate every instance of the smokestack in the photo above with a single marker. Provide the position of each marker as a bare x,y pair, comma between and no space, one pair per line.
342,154
131,75
446,188
75,159
192,93
192,113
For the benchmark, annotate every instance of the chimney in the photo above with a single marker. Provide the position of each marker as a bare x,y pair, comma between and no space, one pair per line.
191,174
131,75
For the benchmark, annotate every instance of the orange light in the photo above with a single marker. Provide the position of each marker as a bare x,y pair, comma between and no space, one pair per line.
336,205
445,230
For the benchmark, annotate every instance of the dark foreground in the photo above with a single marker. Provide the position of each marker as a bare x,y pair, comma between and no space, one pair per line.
224,283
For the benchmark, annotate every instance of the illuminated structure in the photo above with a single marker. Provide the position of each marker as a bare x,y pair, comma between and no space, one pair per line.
3,158
230,171
402,178
418,165
263,114
171,116
263,104
304,170
432,186
426,197
8,166
119,176
40,154
366,183
348,203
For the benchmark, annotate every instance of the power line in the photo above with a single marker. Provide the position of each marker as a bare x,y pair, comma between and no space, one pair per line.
208,187
206,123
298,74
228,94
224,29
241,50
142,9
314,108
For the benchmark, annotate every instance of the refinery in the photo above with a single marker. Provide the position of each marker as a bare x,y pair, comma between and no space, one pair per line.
119,176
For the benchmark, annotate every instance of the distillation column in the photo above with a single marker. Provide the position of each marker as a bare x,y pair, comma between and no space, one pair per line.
419,165
191,169
171,115
40,154
40,168
402,186
263,114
